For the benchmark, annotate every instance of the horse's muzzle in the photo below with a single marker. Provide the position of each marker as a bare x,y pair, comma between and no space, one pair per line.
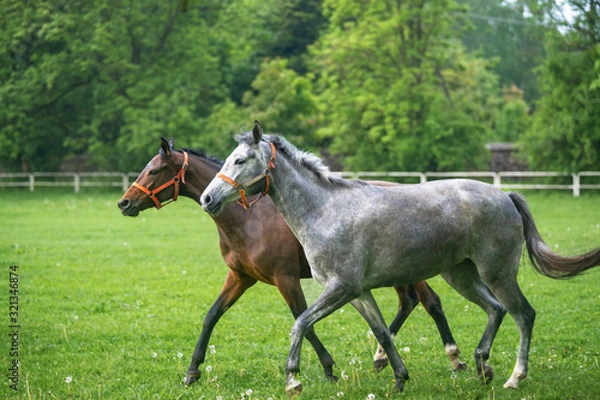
126,208
210,205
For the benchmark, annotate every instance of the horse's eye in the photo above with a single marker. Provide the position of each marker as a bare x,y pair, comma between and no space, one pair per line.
239,161
153,172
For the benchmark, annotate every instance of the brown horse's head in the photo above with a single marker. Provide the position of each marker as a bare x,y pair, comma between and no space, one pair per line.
157,183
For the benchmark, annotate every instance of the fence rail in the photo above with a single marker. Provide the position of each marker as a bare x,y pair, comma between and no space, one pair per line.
503,180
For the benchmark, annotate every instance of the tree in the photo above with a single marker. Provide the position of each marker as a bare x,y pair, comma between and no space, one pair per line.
280,98
500,31
397,90
565,133
104,78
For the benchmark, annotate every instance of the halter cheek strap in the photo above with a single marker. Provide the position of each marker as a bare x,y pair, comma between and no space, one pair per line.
242,187
180,177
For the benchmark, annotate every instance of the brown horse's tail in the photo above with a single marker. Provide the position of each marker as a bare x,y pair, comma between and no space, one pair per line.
544,260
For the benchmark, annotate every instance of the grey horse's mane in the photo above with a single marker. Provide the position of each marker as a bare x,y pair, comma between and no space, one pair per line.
301,158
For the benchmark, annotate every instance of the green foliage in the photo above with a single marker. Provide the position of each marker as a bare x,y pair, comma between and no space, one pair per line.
117,303
379,85
565,133
397,91
500,31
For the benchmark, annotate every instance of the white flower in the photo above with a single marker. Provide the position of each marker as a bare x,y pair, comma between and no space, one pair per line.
371,396
340,394
344,375
179,354
154,355
212,349
219,398
249,392
208,368
68,379
406,349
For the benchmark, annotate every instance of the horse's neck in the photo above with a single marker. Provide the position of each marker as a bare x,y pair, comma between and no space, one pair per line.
197,177
297,195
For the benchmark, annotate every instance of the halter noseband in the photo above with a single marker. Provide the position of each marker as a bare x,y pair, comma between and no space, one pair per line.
180,177
242,187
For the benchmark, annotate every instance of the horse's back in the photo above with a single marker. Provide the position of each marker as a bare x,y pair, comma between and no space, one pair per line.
434,225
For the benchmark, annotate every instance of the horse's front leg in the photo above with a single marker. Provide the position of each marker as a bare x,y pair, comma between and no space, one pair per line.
333,297
291,290
367,307
235,285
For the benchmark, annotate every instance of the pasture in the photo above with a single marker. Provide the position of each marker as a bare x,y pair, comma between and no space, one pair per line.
111,308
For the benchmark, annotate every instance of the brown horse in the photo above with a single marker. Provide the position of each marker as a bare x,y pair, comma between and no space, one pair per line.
257,245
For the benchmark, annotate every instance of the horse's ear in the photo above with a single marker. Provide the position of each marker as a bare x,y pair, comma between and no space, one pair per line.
166,146
256,132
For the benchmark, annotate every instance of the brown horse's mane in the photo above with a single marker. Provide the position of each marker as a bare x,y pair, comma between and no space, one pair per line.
201,153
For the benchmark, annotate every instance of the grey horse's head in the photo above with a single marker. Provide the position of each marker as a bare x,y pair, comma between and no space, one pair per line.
244,173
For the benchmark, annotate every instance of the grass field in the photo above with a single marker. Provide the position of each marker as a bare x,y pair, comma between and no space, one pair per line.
111,307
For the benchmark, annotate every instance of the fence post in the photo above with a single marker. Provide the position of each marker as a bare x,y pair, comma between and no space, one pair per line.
31,183
76,182
576,185
497,180
125,182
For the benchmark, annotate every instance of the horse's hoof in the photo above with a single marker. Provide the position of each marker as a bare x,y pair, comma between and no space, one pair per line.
460,366
293,389
399,386
332,378
488,374
191,377
380,364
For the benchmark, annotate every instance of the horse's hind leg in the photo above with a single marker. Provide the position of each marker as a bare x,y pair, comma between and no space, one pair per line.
408,299
291,291
509,293
433,305
367,307
465,280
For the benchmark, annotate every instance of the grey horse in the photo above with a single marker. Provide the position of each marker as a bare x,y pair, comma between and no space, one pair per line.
359,237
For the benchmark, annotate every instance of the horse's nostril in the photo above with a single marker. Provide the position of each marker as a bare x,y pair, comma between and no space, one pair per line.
206,199
124,204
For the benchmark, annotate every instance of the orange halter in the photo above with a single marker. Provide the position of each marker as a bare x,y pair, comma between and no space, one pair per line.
243,200
180,177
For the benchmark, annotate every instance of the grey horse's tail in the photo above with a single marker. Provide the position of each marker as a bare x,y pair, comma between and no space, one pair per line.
544,260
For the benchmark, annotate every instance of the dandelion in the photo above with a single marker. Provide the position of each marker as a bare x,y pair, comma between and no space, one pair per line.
179,354
154,355
352,361
340,394
344,375
212,349
208,368
371,396
249,392
219,398
68,381
406,349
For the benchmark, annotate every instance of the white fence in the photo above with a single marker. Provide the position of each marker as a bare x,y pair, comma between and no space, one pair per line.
503,180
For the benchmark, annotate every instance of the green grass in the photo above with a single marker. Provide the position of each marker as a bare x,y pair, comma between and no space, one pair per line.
117,304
